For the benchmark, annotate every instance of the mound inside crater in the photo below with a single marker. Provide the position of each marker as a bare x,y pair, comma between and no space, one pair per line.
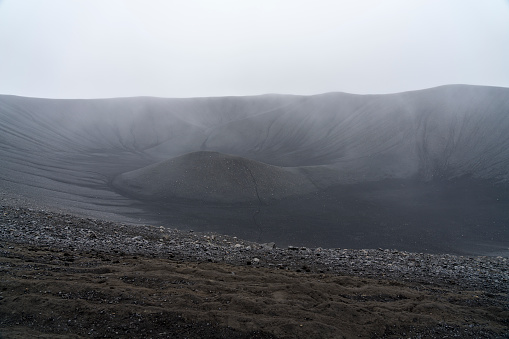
214,177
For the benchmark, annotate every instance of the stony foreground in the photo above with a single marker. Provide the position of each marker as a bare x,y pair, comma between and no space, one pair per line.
64,276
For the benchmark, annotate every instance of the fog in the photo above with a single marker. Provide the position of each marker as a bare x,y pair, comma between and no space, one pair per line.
424,171
98,49
358,124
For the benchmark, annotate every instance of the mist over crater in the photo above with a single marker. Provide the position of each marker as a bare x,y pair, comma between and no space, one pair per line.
424,170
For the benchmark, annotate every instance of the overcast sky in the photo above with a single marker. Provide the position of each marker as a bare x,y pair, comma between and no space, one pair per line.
190,48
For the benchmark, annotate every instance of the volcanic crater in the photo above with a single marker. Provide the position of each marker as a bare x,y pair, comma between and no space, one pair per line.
424,171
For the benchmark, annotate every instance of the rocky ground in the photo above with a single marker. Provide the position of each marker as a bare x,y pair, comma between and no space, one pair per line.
66,276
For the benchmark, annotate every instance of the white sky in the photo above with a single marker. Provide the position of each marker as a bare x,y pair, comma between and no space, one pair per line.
190,48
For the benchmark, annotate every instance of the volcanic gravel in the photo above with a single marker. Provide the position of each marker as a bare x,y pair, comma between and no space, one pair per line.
44,228
76,236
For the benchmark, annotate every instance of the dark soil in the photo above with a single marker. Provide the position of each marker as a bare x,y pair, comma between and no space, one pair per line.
67,277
